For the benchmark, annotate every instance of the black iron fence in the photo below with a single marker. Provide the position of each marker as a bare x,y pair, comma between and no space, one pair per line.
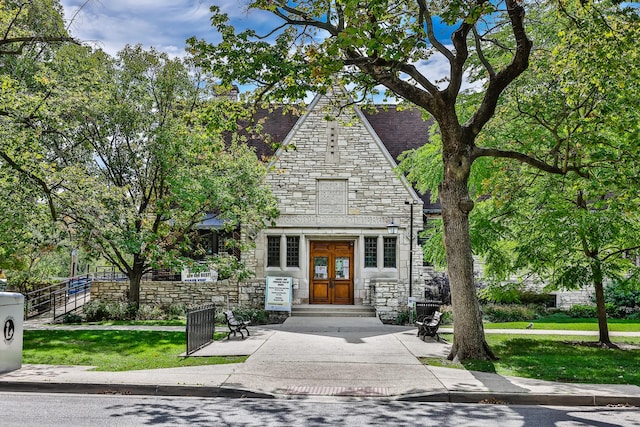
200,327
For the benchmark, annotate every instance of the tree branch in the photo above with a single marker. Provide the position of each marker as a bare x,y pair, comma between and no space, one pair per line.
483,59
30,40
523,158
39,181
501,80
425,15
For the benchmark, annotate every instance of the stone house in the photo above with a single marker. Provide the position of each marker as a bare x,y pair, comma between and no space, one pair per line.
338,193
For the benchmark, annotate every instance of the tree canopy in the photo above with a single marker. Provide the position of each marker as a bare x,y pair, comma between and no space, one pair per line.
576,103
127,154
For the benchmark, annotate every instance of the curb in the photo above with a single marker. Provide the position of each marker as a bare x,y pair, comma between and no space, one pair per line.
129,389
194,391
525,399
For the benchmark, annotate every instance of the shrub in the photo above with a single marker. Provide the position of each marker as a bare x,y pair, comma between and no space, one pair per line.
439,288
510,313
175,311
404,317
622,298
71,318
583,311
514,293
95,311
447,315
257,316
147,312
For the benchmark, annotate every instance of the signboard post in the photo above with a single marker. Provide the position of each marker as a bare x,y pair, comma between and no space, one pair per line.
278,294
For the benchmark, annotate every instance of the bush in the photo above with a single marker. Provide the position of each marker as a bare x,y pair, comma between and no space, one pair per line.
583,311
175,311
404,317
514,293
98,311
510,313
623,298
447,315
439,288
95,311
257,316
71,318
147,312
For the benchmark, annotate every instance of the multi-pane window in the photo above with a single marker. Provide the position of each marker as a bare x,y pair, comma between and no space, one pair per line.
293,251
273,251
214,242
389,252
370,251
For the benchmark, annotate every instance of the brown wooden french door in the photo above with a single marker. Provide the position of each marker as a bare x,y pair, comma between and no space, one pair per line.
331,273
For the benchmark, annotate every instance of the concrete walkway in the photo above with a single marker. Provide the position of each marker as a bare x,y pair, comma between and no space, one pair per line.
354,357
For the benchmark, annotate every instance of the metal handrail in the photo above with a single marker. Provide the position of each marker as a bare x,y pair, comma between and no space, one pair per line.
50,298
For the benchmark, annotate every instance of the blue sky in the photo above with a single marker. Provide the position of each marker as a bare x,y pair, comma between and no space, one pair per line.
163,24
166,24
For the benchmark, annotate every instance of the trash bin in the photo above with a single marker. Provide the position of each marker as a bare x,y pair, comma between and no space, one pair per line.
11,314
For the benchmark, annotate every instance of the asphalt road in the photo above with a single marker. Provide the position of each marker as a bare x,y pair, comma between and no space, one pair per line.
40,409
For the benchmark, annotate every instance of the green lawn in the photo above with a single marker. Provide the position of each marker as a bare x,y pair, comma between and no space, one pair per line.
557,358
568,323
113,350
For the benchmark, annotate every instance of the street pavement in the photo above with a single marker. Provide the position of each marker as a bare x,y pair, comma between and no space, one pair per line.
311,357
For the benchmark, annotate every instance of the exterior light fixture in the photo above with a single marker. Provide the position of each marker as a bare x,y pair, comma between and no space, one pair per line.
392,228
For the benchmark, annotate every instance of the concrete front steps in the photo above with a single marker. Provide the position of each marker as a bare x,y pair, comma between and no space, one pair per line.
331,310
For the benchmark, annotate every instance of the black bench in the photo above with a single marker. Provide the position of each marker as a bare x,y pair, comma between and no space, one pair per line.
425,310
429,327
236,325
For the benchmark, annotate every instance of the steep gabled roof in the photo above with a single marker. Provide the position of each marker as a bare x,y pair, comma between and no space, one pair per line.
398,129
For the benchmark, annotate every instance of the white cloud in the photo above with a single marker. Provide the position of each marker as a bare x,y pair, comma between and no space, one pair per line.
166,24
112,24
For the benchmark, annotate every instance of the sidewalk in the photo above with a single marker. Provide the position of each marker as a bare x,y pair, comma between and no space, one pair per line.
353,357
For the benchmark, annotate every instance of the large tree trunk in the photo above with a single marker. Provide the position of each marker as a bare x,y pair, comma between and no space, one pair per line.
135,277
603,327
468,339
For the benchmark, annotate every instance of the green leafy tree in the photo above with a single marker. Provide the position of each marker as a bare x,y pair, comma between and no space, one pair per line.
578,100
125,153
28,24
29,238
144,162
390,44
30,34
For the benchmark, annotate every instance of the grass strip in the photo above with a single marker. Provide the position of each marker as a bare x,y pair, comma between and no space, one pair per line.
573,359
111,350
569,324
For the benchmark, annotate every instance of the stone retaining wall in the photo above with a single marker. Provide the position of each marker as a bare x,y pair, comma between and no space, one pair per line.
225,293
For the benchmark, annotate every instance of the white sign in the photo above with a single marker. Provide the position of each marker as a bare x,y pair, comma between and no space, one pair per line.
210,275
278,295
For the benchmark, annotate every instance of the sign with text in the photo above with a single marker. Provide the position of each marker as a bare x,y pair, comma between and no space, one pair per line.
278,294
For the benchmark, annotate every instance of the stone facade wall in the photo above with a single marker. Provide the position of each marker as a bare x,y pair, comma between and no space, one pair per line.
225,293
336,181
567,299
388,297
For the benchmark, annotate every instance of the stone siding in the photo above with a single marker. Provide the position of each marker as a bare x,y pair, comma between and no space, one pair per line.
225,293
388,298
